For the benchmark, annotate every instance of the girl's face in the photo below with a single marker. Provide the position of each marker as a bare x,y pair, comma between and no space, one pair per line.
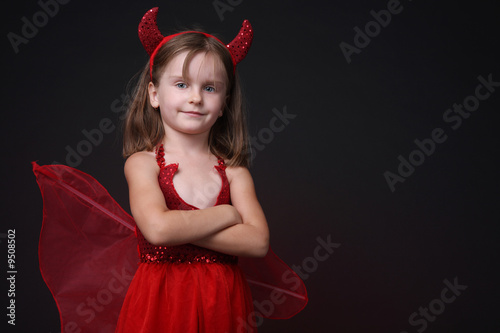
190,104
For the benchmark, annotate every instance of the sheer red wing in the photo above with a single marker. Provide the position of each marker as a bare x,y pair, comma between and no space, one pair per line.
88,256
278,292
87,249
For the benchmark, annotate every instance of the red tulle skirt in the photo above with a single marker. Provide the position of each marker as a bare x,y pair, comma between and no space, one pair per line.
187,298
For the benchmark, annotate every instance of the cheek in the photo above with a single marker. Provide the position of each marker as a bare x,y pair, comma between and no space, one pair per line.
221,101
169,98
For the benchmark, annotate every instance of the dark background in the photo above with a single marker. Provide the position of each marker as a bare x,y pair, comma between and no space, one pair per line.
322,175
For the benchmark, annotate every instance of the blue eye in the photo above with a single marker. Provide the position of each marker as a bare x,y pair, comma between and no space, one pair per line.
210,89
181,85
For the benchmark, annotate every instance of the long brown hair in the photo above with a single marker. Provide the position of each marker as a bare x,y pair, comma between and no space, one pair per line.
143,128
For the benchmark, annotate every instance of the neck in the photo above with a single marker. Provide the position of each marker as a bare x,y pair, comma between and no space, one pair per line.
186,144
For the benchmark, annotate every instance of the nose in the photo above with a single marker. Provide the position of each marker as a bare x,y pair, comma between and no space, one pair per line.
195,97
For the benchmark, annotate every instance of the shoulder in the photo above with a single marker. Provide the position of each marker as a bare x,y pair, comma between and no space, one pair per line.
144,162
238,175
243,194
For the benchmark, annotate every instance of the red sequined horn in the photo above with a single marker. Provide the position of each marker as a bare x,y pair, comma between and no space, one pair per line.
149,34
151,37
241,43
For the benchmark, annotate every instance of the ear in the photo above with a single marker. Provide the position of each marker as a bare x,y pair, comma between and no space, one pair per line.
153,95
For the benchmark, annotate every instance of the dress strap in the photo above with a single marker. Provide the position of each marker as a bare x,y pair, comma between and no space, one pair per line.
222,164
160,155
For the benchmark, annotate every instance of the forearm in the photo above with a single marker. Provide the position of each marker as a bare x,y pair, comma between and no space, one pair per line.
244,240
251,237
160,225
174,227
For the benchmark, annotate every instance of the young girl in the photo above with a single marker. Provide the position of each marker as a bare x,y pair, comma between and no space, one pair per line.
193,202
184,137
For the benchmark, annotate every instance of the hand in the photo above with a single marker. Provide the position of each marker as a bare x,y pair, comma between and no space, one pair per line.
234,214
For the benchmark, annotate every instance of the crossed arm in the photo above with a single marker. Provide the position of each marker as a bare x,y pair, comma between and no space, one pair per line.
249,238
238,229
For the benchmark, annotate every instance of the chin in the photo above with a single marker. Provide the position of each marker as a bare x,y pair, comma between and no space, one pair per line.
190,131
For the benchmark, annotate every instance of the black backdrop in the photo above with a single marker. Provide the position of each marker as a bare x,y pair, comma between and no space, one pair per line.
352,106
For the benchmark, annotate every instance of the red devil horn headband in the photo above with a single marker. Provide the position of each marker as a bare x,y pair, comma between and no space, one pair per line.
152,39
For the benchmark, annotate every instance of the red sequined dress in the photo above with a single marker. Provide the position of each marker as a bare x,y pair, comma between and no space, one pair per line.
185,288
88,259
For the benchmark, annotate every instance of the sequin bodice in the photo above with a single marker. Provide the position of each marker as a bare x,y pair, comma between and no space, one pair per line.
186,253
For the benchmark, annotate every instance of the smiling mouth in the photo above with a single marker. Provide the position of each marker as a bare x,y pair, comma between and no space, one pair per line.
193,113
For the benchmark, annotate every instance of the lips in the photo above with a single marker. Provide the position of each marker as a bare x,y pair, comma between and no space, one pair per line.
193,113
